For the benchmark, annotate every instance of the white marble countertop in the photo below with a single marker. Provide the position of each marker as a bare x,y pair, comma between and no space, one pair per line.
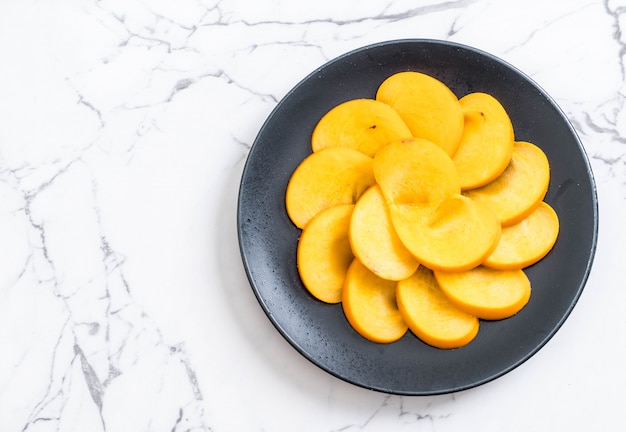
124,129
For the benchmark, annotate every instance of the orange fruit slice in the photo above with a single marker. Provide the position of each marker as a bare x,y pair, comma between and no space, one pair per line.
428,107
430,315
520,188
374,240
486,293
369,303
526,242
324,253
361,124
487,142
330,177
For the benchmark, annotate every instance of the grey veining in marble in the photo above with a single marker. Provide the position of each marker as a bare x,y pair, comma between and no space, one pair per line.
124,126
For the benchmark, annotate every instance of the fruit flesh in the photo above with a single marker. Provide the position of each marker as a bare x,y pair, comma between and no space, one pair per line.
415,171
486,145
486,293
374,240
454,236
330,177
525,243
324,253
520,188
362,124
430,315
369,303
427,106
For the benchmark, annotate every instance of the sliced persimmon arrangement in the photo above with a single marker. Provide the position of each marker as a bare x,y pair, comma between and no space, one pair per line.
420,211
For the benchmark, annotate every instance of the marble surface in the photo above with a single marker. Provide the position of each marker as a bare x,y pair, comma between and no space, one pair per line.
124,129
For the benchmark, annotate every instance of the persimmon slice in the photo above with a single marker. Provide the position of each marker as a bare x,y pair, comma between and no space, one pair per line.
526,242
415,171
428,107
486,293
374,240
520,188
324,253
361,124
486,145
457,235
369,303
430,315
419,211
330,177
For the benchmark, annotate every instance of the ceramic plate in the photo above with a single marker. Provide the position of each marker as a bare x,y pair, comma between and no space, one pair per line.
319,331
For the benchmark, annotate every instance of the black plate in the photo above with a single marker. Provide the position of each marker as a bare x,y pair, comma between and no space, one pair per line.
320,331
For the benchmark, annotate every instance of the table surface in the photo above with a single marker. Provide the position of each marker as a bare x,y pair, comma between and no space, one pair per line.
124,129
